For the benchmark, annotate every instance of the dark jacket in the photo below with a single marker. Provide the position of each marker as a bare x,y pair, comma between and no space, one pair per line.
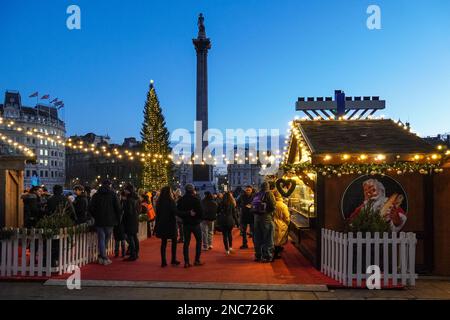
269,199
81,208
32,209
209,207
186,204
246,214
227,216
58,203
105,208
131,210
166,223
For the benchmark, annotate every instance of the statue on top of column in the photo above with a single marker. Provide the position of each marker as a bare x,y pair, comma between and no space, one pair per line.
201,24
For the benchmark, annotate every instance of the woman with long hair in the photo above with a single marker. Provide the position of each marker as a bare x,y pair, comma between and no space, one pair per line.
131,207
227,219
166,224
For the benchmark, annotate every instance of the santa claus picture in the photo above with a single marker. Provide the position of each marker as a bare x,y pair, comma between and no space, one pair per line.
383,195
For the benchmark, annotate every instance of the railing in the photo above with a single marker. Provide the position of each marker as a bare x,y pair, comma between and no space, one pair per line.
346,258
31,253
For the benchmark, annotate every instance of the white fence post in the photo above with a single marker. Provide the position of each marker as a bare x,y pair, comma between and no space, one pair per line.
32,251
24,244
340,261
16,252
350,260
394,258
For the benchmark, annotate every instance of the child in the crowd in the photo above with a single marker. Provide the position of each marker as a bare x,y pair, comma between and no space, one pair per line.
147,208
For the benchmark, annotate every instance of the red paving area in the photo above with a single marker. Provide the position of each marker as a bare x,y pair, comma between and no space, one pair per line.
239,267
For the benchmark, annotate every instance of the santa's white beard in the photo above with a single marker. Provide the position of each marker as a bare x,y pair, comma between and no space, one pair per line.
377,203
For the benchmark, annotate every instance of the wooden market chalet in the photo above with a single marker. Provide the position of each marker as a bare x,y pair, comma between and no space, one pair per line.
339,141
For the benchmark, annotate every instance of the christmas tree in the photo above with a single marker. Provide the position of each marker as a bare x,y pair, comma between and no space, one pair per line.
157,169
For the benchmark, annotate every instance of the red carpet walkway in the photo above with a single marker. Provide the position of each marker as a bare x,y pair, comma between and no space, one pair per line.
239,267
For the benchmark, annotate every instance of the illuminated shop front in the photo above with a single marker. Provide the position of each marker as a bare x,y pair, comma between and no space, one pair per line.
331,167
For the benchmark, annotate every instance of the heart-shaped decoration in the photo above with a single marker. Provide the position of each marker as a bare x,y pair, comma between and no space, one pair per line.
285,187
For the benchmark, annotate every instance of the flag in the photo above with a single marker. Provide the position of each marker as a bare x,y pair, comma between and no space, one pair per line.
59,103
34,94
45,96
54,100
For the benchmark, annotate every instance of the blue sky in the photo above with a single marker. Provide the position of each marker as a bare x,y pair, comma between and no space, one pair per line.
265,54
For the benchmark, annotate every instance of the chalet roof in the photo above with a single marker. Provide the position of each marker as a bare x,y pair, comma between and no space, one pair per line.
361,136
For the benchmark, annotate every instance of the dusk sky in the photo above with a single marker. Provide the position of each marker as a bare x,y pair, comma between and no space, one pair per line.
264,55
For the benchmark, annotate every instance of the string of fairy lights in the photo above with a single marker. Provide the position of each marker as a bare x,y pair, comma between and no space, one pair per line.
115,153
360,163
346,163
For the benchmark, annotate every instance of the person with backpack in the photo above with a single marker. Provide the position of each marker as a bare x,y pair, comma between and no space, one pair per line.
147,209
227,219
263,207
209,207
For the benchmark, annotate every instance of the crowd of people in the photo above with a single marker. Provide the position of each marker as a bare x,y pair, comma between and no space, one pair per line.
261,215
173,216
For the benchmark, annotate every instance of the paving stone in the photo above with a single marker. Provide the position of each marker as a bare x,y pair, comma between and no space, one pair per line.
304,295
232,295
279,295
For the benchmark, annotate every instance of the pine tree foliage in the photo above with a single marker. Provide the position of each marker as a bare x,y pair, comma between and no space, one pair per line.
157,170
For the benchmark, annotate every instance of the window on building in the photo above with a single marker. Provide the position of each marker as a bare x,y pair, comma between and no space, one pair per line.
28,173
46,174
51,174
46,152
41,174
41,142
41,152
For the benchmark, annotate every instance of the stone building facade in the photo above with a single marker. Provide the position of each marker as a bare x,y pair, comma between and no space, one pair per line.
49,168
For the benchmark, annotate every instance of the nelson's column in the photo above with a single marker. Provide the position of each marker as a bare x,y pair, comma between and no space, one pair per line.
202,174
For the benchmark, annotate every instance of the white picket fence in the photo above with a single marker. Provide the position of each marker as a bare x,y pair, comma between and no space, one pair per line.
28,253
346,258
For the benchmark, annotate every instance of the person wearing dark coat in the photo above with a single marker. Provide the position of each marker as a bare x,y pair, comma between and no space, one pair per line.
32,207
58,203
80,204
244,204
263,226
190,211
209,206
227,219
166,224
105,209
119,233
131,206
